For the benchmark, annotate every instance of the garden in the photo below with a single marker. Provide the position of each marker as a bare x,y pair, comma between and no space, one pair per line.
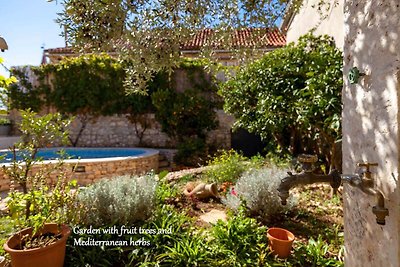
290,97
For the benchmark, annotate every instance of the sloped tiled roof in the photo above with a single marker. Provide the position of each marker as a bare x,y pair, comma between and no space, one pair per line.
251,37
246,38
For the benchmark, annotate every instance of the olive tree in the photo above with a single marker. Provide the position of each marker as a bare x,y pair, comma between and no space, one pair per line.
148,34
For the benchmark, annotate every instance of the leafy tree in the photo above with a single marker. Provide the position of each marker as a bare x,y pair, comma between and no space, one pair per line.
292,96
4,83
187,115
22,94
149,33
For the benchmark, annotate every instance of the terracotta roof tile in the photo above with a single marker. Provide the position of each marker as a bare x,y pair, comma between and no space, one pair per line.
251,37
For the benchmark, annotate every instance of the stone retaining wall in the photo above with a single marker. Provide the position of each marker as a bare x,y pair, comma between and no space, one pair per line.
89,171
118,131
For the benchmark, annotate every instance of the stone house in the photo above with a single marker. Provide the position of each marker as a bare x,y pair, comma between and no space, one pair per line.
121,131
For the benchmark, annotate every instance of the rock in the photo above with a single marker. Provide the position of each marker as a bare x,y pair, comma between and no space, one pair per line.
213,216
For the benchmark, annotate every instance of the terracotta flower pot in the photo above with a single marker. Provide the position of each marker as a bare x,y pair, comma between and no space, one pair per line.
2,261
280,241
49,256
201,191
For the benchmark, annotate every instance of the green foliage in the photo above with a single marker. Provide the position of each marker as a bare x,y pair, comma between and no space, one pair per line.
92,84
22,94
166,191
36,132
229,166
101,256
241,241
316,253
39,202
186,114
4,83
191,152
173,246
7,228
4,121
86,86
189,251
257,190
46,204
153,34
121,200
42,131
291,96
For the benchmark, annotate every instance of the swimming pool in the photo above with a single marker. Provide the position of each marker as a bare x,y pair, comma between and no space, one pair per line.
88,165
80,153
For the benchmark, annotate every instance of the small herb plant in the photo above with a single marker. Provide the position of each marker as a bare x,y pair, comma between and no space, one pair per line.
37,201
121,200
229,166
257,190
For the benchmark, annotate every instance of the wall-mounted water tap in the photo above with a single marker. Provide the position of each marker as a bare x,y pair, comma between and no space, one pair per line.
365,183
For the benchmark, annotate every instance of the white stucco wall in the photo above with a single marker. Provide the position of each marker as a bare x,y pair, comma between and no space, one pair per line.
308,18
371,129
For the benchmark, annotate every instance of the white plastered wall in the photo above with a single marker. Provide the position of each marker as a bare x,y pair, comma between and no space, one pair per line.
308,17
371,128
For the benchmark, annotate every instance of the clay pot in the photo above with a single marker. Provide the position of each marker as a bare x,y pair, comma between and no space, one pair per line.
3,261
280,242
202,191
49,256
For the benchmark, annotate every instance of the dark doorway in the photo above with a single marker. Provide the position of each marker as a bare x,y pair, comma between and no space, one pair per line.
249,144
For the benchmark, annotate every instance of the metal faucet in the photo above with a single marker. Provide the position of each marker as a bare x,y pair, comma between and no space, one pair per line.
365,183
307,176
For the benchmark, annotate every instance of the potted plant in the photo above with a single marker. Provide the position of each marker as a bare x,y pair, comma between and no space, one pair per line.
36,202
5,126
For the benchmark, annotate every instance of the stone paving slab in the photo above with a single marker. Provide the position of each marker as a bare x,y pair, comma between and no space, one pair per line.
213,216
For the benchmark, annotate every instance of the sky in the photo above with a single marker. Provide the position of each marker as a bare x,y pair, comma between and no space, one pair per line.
27,26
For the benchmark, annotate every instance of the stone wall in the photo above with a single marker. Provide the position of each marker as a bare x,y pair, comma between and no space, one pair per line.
118,131
371,129
89,171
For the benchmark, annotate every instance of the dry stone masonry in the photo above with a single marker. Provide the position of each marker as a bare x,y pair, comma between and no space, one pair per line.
118,131
87,172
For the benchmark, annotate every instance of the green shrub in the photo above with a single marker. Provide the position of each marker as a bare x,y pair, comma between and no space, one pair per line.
187,251
121,200
316,253
229,165
165,248
240,241
257,190
291,97
166,191
191,152
5,121
99,256
38,201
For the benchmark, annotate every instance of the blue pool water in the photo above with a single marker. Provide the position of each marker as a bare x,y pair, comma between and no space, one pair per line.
79,153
